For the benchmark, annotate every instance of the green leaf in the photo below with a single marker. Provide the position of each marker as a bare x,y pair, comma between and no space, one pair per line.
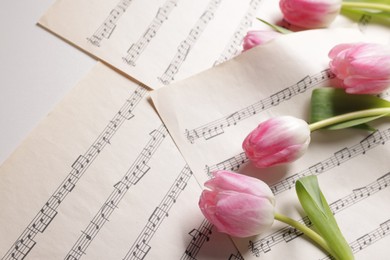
310,185
317,209
275,27
330,102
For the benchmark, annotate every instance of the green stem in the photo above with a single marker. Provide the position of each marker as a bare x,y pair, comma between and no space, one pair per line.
348,116
364,5
305,230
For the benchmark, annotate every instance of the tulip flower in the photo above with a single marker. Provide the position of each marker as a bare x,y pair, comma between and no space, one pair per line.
238,205
258,37
284,139
310,13
277,141
313,14
243,206
363,68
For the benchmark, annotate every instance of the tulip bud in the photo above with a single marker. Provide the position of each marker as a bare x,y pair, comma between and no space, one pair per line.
255,38
276,141
310,13
364,68
237,204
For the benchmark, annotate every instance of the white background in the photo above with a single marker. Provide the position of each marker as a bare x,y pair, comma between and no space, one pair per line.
36,70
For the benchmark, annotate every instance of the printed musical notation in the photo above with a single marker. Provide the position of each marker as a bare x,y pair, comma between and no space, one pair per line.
212,21
136,49
287,234
215,128
134,174
141,247
199,236
234,47
175,105
236,256
187,44
106,29
25,242
369,238
231,164
379,137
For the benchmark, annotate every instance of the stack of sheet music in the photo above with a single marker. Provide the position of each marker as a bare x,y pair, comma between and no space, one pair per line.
116,170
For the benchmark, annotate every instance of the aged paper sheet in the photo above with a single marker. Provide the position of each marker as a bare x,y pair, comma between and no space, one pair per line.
159,41
210,114
156,41
100,178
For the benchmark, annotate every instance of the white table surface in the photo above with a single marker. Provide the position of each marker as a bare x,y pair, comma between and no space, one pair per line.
36,70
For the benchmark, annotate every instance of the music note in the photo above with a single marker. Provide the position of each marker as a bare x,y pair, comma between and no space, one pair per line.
364,241
217,126
70,183
317,168
342,155
303,84
255,251
80,163
121,187
140,251
70,256
233,119
361,192
106,29
49,211
282,95
157,216
385,228
136,49
337,205
235,44
384,181
186,45
291,234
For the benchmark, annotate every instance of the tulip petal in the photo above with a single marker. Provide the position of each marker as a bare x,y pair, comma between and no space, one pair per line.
225,180
243,215
238,205
310,13
276,141
363,67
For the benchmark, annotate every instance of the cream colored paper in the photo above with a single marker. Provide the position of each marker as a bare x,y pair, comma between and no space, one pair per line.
210,114
157,42
100,178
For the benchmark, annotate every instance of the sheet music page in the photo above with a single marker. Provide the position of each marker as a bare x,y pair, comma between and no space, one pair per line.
159,41
154,41
100,178
210,114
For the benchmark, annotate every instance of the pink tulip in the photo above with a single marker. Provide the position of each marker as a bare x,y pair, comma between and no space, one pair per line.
363,68
237,204
310,13
255,38
277,141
